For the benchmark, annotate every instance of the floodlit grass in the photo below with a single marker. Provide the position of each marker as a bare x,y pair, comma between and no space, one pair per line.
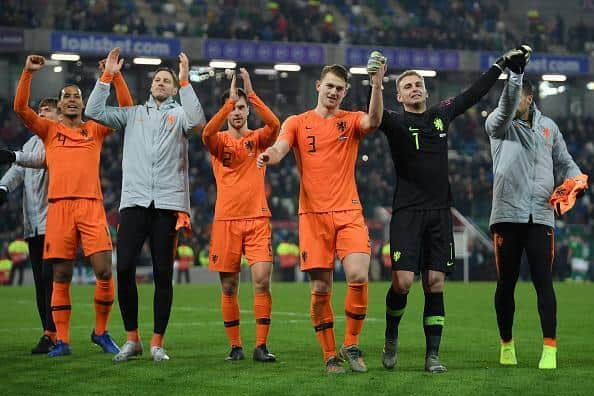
197,345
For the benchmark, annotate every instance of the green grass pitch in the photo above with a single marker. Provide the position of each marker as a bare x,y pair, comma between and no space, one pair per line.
197,345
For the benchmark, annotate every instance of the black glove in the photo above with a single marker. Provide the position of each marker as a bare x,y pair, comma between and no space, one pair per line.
3,195
515,59
7,156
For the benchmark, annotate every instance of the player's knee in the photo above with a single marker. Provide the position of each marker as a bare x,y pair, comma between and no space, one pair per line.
358,278
434,284
261,285
229,288
103,273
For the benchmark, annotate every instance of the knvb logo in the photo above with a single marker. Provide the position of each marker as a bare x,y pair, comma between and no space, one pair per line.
396,255
214,258
341,126
304,256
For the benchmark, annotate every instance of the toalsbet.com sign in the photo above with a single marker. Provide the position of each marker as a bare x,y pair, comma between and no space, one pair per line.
101,44
546,63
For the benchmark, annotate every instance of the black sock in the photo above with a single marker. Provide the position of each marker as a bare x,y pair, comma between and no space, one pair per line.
395,305
433,320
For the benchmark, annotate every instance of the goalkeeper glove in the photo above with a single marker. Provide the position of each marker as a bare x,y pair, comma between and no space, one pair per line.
375,62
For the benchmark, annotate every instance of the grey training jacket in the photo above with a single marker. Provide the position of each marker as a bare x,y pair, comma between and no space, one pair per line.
35,182
526,160
155,157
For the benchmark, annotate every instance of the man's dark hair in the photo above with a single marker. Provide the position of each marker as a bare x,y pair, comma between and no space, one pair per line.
240,92
66,86
50,102
528,87
170,71
337,70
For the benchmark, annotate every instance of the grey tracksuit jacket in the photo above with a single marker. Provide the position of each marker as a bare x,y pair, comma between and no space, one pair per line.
526,160
35,182
155,157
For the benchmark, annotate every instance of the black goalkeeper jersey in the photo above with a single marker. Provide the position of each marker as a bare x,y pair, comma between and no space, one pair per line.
419,147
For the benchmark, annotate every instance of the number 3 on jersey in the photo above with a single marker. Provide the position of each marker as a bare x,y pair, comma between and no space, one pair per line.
312,143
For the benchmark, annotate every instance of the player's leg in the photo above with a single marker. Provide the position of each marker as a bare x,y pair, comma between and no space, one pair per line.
132,232
508,241
163,243
61,305
438,260
61,241
231,313
540,250
258,251
225,258
96,243
42,276
405,245
317,246
433,319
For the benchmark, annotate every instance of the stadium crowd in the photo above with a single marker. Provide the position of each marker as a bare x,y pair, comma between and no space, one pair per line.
462,25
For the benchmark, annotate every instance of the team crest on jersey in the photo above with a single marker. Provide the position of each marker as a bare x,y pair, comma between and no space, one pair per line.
438,124
249,145
170,119
85,134
341,126
214,258
546,132
304,256
396,255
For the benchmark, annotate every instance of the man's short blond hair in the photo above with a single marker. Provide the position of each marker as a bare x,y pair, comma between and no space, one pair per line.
407,73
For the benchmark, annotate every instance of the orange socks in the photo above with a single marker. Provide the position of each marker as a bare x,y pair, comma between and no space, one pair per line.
262,309
157,340
61,310
51,335
230,308
322,318
552,342
355,309
104,295
133,336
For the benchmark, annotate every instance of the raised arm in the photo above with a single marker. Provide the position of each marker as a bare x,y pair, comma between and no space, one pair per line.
500,119
121,88
376,67
211,130
515,59
96,109
32,120
195,117
269,133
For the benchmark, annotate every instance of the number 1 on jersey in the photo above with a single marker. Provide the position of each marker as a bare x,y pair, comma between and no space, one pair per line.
416,135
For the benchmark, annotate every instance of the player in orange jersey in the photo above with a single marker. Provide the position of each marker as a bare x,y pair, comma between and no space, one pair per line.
242,219
75,204
325,141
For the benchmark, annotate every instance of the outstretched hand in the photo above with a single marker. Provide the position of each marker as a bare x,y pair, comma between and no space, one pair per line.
113,63
184,67
247,83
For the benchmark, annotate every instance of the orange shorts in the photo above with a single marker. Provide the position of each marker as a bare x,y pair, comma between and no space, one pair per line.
71,220
232,238
324,235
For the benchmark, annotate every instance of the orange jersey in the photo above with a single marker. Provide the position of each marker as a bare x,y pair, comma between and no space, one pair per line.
326,152
240,184
72,154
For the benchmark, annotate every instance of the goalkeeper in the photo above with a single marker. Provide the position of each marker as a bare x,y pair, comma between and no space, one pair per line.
528,150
